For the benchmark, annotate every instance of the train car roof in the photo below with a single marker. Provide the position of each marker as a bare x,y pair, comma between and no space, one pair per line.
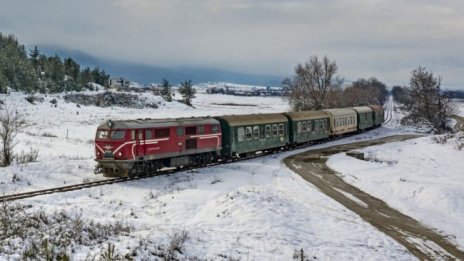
376,108
253,119
340,111
362,109
307,115
158,123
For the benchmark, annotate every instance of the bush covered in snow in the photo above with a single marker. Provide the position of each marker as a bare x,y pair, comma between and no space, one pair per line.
456,139
107,99
39,235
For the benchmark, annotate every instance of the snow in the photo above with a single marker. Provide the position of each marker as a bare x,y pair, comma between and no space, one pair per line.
253,210
460,108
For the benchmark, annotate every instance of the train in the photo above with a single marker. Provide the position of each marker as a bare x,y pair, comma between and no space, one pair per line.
140,147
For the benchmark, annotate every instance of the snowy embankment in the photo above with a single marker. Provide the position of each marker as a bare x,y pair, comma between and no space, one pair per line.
422,178
251,210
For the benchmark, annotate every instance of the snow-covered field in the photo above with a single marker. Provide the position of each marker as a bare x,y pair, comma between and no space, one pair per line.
251,210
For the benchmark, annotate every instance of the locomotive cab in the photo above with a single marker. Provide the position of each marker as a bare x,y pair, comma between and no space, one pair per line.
108,144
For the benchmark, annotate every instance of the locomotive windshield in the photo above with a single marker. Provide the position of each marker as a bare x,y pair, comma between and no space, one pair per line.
114,135
102,134
117,135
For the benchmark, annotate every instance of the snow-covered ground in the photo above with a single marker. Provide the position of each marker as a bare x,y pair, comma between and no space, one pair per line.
252,210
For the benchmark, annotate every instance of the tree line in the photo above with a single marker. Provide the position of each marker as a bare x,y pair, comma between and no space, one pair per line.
30,71
316,86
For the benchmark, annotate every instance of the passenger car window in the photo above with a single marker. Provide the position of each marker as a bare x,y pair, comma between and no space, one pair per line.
241,134
274,129
248,133
298,127
256,132
281,130
268,131
303,127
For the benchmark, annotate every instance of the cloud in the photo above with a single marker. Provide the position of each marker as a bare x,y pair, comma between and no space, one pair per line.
381,38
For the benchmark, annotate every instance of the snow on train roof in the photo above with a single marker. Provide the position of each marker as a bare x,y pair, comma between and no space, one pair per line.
376,108
307,115
252,119
154,123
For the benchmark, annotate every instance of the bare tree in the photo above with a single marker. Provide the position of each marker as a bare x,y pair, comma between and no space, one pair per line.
364,92
401,94
428,102
311,83
11,121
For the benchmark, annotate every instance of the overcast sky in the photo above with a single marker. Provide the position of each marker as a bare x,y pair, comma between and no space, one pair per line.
386,39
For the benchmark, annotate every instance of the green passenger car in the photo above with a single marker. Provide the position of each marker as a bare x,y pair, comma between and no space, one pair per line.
365,117
307,126
243,134
378,114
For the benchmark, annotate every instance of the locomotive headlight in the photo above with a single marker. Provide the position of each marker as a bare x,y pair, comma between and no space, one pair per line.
119,154
98,153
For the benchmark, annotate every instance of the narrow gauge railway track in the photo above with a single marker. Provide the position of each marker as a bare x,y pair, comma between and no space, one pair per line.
388,109
68,188
31,194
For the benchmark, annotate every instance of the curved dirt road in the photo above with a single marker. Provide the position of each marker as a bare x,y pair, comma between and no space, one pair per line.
420,240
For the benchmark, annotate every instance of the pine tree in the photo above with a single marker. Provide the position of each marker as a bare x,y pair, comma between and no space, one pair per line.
166,91
86,77
187,91
35,54
33,71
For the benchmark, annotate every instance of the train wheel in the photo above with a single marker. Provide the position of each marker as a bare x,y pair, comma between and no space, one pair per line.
132,173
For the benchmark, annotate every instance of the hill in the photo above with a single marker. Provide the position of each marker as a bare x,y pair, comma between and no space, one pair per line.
149,73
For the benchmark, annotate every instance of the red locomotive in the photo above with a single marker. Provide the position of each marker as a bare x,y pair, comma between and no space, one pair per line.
134,147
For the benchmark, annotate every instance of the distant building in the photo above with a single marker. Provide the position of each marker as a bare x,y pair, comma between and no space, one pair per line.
119,82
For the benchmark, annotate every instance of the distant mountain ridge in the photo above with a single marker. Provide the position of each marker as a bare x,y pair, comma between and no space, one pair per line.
146,74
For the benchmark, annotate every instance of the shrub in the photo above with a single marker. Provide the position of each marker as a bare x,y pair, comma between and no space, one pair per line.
32,99
26,157
48,134
48,236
